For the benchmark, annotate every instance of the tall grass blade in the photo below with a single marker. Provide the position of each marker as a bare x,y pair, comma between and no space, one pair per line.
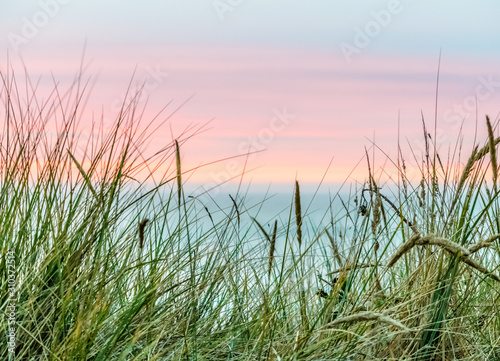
493,153
179,172
84,175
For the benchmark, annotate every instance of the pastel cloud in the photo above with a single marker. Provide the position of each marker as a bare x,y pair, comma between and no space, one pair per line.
241,73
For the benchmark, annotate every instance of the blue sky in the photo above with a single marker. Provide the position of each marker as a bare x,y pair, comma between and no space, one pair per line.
423,26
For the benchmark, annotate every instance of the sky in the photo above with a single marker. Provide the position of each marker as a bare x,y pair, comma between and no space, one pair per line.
306,86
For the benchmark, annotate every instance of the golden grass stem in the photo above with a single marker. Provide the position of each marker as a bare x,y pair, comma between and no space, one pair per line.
481,244
367,316
449,246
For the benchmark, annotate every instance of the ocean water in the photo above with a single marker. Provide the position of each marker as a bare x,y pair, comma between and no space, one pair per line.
234,218
318,207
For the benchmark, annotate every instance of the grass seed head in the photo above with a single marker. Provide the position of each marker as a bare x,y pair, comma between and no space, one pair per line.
142,225
298,213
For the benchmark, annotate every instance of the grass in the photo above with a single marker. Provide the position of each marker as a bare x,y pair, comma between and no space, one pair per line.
100,265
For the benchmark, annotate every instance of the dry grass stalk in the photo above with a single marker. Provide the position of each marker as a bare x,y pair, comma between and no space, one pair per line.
465,174
428,240
262,229
302,294
336,252
403,249
303,307
475,156
348,268
273,244
479,267
373,186
422,193
377,205
484,150
444,243
179,172
368,316
396,209
448,246
236,209
492,150
298,213
485,243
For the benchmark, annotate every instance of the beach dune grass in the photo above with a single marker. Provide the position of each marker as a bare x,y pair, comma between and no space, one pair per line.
112,266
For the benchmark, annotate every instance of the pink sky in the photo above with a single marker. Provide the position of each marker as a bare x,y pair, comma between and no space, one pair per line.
241,79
